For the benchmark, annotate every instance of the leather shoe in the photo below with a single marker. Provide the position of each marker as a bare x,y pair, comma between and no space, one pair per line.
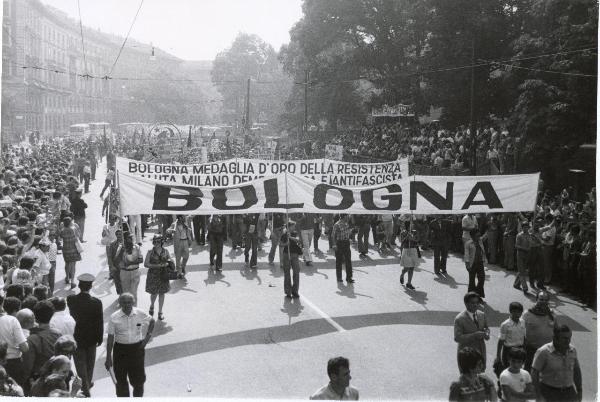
350,280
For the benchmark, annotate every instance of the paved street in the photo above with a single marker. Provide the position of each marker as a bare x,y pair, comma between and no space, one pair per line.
235,335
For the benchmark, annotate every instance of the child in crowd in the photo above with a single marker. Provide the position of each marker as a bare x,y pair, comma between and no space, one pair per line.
512,333
516,383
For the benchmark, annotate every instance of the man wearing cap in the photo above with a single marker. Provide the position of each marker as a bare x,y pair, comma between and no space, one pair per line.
89,323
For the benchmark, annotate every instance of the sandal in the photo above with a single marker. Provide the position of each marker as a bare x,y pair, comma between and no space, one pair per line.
151,311
161,316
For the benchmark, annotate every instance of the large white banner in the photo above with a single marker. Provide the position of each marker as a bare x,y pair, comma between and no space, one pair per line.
233,172
293,193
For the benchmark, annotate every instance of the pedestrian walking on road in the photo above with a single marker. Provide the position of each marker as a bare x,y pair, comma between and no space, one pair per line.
70,252
522,245
87,312
126,346
473,384
341,238
338,388
475,261
470,326
78,207
130,266
216,237
251,235
108,181
114,256
182,241
539,327
556,373
409,258
157,279
290,252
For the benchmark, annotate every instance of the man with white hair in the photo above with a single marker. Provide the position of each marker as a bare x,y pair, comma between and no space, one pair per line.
126,338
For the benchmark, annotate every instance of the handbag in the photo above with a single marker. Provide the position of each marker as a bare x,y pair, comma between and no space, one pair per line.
78,246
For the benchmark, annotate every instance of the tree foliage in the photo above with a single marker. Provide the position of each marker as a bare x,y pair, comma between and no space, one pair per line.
524,55
249,57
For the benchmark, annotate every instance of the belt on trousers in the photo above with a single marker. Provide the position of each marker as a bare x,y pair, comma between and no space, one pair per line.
133,269
128,345
558,388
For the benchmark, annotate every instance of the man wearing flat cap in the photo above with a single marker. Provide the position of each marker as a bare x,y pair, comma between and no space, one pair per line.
89,325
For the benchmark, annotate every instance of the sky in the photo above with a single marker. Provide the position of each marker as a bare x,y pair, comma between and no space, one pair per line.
189,29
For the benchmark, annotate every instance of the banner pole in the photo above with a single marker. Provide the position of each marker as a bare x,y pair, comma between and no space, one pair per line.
287,221
120,206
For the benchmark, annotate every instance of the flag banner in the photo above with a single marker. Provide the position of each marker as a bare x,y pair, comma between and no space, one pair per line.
334,151
232,172
398,110
293,193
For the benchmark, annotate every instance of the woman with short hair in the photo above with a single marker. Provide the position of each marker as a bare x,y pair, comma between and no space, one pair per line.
157,279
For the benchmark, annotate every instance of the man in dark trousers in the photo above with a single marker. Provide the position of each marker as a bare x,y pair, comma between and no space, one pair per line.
341,238
439,238
89,324
251,233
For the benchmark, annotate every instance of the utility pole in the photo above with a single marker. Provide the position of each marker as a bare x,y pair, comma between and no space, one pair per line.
471,126
306,77
247,113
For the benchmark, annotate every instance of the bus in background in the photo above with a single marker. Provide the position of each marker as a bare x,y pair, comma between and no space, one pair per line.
79,131
97,129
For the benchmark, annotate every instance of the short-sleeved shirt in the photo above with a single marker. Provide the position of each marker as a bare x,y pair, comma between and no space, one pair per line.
513,333
327,393
341,231
12,334
63,322
128,329
539,329
515,381
556,370
468,223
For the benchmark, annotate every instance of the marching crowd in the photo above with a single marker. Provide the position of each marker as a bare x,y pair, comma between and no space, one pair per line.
43,218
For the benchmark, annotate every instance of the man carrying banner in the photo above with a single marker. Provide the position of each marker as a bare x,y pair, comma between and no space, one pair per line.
251,224
182,241
306,225
276,232
216,236
341,245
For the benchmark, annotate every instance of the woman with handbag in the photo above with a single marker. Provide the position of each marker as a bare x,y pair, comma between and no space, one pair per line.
130,267
157,281
70,251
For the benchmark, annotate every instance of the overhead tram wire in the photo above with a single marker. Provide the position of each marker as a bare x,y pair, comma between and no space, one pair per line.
444,69
548,71
124,41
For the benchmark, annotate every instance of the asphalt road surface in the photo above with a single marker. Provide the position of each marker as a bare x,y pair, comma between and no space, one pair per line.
235,335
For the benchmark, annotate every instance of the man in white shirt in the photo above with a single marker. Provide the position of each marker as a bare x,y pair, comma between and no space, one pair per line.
62,320
339,388
126,336
12,334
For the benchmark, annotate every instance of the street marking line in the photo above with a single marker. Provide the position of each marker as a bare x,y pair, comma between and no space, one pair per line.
322,314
